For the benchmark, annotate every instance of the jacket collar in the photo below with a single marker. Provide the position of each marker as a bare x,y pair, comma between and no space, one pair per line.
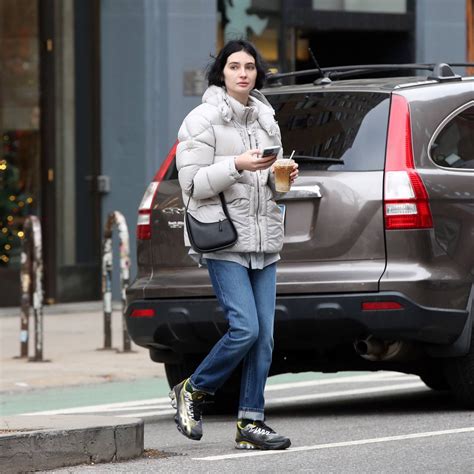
245,114
259,108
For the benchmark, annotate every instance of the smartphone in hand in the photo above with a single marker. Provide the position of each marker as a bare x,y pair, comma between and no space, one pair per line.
270,151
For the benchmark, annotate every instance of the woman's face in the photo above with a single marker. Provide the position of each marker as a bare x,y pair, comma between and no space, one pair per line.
240,75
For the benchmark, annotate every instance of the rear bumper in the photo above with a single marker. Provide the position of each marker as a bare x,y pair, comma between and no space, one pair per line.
302,322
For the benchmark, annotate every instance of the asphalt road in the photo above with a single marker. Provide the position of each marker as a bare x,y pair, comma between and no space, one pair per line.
384,423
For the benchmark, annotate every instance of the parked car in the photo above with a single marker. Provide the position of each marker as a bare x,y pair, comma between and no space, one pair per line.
377,268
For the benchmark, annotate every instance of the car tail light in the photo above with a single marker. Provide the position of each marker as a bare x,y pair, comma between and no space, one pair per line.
380,305
406,203
144,212
145,208
143,313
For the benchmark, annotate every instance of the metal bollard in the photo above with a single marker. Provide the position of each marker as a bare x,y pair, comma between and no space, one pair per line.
31,275
115,219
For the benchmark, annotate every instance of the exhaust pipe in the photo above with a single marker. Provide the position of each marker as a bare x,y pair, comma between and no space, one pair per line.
375,349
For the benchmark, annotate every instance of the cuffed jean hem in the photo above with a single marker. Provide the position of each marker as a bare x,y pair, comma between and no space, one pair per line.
250,414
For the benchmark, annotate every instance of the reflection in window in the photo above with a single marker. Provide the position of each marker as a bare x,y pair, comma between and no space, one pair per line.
19,124
259,21
352,128
454,145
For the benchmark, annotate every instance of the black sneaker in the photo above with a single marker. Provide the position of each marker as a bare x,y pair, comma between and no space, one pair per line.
257,435
188,410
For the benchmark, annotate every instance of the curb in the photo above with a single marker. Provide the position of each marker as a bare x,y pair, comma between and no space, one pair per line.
30,443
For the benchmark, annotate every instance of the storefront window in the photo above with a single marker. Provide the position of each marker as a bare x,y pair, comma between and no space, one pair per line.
362,6
253,20
19,124
259,21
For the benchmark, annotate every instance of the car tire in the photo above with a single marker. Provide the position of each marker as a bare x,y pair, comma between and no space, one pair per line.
460,375
435,380
226,399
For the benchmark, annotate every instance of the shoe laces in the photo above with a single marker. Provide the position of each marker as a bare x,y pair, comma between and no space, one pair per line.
194,402
259,427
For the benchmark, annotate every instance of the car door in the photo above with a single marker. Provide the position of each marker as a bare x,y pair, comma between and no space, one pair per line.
443,134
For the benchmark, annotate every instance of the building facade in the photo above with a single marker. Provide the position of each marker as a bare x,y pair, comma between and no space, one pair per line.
92,93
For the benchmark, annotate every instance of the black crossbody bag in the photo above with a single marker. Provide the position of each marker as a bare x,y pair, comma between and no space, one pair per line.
210,236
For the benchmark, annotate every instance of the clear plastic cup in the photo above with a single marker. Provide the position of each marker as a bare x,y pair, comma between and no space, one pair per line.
282,169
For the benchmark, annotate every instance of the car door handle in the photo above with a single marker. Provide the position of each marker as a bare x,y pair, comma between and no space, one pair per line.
303,192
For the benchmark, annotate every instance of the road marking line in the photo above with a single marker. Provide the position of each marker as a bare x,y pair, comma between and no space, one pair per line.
342,444
302,397
383,376
341,393
142,407
276,401
105,406
386,377
170,411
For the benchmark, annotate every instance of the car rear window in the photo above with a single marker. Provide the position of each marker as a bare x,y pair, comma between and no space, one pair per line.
345,131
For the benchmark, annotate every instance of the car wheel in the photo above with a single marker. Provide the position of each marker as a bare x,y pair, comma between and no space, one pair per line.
460,375
226,399
435,380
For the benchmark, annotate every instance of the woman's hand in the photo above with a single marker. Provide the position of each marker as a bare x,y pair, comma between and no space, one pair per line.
251,161
294,174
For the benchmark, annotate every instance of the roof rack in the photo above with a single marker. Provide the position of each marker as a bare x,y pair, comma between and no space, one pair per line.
440,71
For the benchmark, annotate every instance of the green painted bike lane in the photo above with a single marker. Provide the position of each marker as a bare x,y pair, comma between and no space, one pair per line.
15,403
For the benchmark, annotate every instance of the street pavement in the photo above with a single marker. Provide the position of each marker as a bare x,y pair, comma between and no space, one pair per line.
88,406
346,423
75,363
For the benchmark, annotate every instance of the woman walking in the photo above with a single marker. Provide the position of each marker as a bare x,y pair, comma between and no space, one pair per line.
220,144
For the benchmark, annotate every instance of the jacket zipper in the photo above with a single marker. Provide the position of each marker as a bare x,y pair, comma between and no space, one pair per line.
257,177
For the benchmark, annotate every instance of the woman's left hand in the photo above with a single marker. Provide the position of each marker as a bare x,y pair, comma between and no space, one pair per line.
294,174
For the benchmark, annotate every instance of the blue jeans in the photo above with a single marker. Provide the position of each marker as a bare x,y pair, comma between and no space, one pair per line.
247,297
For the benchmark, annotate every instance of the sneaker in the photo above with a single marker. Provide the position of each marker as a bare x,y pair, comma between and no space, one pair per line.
257,435
188,410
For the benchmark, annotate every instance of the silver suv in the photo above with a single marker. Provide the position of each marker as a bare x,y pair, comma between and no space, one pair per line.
377,268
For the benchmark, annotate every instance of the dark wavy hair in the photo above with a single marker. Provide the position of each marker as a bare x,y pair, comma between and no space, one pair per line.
214,74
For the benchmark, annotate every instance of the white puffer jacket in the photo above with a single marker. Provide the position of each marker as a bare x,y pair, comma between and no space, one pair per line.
211,136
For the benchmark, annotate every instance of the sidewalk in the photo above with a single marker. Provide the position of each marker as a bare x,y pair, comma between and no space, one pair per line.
72,343
73,333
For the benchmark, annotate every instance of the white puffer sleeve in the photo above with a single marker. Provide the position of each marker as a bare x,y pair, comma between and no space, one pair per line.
195,158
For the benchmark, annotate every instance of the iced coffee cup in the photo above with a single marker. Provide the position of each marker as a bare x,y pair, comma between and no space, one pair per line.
282,169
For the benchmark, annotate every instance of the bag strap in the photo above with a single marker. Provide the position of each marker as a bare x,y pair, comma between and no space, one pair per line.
221,195
187,205
224,206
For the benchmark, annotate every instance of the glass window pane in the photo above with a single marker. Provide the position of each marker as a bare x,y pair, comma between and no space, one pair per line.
257,21
454,145
19,124
365,6
347,130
